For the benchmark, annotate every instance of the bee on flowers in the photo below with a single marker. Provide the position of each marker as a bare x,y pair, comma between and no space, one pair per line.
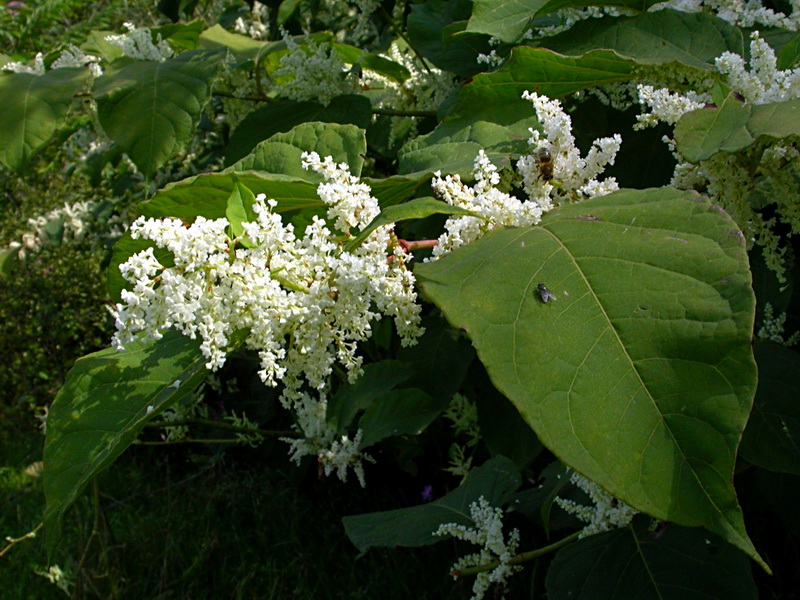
545,162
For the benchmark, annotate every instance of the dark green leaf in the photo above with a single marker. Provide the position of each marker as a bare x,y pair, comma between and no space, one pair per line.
104,404
378,378
33,108
640,376
789,55
240,209
495,480
151,109
675,563
398,412
426,25
504,431
772,437
397,188
694,39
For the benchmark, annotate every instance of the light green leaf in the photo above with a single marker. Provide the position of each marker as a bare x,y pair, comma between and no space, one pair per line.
33,108
640,376
372,62
419,208
104,404
495,480
789,55
281,152
240,210
674,564
654,38
151,109
281,116
772,437
242,46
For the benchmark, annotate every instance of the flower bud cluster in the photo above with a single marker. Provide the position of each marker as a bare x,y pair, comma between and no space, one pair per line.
606,514
488,533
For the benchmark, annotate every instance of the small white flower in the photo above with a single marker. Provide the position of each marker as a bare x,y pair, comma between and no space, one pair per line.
607,512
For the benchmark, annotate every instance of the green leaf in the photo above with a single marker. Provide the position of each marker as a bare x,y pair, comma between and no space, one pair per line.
372,62
441,349
673,564
734,126
504,431
96,44
640,376
508,21
181,35
702,133
104,404
399,412
242,46
8,261
123,250
240,210
281,153
772,437
151,109
397,188
418,208
283,115
789,55
539,503
541,71
378,378
286,10
33,108
208,194
694,39
495,480
426,25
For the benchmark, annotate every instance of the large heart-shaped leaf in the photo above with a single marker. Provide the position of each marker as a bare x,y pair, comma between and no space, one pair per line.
674,564
640,375
104,404
32,109
152,108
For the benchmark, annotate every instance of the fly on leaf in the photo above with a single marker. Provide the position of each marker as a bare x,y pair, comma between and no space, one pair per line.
545,294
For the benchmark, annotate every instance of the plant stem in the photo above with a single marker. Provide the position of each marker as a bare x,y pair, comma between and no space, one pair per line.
250,98
399,32
403,113
224,426
519,558
13,541
417,244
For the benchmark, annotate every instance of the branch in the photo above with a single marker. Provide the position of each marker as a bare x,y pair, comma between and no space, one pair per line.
13,541
403,113
518,559
223,426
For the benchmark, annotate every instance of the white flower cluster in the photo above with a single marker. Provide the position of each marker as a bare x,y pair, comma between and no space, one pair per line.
304,301
742,13
764,83
75,221
488,532
311,72
257,26
138,43
37,68
425,89
576,180
333,452
75,57
667,106
606,514
773,328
